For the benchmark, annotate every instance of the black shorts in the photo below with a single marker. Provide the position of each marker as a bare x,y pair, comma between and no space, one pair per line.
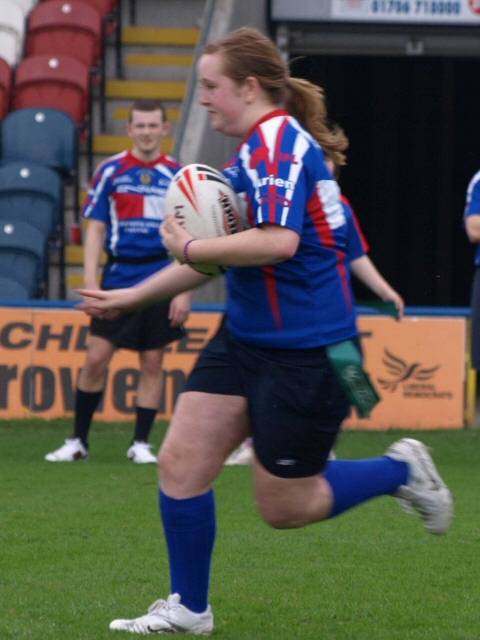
295,402
140,330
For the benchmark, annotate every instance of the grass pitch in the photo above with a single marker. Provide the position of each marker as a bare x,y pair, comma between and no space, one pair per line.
82,544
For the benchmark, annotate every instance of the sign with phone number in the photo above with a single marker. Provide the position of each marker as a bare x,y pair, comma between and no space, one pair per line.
420,11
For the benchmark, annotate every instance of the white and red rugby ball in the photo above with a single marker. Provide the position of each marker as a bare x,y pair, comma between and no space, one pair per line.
205,204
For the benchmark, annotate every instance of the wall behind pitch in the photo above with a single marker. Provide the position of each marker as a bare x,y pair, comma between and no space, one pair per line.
42,351
417,365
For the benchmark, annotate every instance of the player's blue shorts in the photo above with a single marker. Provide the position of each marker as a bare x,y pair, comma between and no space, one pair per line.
295,402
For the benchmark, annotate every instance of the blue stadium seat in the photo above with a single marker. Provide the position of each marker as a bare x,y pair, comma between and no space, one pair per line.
45,136
11,289
31,193
22,252
48,137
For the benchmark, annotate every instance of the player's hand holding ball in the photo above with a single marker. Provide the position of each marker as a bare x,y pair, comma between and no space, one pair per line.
199,204
175,237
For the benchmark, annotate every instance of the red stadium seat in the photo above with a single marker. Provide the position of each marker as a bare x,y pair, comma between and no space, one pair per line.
104,7
70,28
111,15
5,87
56,82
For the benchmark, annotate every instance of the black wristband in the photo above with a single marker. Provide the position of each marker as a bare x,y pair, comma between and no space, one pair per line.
186,257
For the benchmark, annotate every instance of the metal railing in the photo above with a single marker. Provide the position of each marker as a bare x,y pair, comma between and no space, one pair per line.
205,25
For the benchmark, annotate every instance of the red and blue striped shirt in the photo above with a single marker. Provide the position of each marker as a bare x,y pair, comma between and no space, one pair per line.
306,301
128,196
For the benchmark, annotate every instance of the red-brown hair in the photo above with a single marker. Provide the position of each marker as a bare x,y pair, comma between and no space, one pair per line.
248,52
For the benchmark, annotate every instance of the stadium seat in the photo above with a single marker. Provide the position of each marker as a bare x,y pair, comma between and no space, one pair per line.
50,138
22,252
25,6
71,28
104,7
56,82
44,136
8,49
31,193
5,86
74,29
111,15
12,31
11,289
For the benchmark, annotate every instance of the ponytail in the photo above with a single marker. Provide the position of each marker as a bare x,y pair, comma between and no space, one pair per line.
306,102
248,52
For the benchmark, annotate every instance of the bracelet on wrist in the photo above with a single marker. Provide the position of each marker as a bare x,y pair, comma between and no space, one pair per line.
186,257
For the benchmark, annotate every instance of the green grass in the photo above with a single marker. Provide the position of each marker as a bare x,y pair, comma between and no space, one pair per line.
81,544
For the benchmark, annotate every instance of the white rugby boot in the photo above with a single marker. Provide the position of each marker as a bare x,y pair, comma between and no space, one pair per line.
241,455
141,453
168,616
425,491
72,450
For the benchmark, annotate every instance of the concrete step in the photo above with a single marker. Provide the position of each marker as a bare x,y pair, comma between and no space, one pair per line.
108,145
153,89
160,36
74,280
74,255
161,66
166,13
159,59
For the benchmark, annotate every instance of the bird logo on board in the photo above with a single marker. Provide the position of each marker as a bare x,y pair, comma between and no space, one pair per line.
401,371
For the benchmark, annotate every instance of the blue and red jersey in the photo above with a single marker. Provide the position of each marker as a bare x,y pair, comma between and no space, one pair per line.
357,245
472,206
306,301
128,196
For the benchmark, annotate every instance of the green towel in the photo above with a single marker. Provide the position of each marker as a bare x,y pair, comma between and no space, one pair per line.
346,361
387,308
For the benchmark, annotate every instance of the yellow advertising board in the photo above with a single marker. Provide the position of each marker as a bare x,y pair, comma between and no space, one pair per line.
42,351
417,365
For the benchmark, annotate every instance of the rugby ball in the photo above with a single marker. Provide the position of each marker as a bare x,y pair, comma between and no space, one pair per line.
204,203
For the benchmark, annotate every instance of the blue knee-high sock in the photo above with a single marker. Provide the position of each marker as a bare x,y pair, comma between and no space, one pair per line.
356,481
189,527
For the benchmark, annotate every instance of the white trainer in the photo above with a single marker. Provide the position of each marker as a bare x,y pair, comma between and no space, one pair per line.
72,450
168,616
141,453
242,454
425,491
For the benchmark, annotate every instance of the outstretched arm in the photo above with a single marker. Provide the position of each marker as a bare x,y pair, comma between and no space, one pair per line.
163,285
364,269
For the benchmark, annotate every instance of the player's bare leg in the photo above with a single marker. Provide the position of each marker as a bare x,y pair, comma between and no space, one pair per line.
149,392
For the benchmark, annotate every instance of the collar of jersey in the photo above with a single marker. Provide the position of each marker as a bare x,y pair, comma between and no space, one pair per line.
271,114
158,160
